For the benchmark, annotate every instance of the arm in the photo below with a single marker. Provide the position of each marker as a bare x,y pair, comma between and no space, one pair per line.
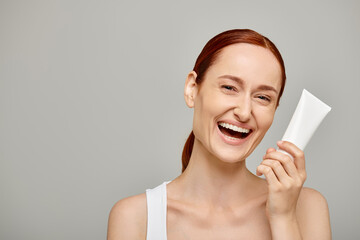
127,219
313,215
312,220
285,209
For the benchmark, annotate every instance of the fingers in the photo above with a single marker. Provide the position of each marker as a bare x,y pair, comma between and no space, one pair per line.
271,150
298,154
284,177
282,165
284,160
268,173
278,169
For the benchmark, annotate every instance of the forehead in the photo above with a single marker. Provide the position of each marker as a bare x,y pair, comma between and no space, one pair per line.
249,62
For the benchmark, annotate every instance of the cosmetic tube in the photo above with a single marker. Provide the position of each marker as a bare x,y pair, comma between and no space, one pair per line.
308,115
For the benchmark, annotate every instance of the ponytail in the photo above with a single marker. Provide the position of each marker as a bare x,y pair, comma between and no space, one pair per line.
188,147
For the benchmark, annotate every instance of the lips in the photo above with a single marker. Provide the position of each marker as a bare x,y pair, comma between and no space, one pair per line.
233,132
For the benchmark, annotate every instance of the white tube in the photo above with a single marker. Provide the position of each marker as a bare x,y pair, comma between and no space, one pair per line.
308,115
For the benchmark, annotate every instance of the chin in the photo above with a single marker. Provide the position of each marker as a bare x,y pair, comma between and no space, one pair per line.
228,156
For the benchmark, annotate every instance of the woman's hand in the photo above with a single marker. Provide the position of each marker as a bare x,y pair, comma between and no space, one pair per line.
285,178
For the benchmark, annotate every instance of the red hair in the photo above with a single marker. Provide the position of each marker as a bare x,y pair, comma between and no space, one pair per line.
208,56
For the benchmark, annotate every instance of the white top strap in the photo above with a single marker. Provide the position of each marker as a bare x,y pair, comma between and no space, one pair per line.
156,212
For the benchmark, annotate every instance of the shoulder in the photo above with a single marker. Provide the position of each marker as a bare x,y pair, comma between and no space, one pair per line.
311,199
313,214
308,194
128,218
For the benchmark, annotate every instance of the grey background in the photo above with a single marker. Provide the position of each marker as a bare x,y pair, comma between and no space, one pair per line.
92,109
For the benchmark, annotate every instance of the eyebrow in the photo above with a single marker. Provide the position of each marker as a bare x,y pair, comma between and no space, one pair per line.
241,83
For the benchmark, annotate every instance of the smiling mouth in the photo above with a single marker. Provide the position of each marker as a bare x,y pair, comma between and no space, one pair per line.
233,132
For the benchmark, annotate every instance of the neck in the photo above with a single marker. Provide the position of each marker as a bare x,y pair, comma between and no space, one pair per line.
210,181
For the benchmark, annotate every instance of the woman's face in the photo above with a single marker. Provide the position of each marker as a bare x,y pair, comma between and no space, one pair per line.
235,104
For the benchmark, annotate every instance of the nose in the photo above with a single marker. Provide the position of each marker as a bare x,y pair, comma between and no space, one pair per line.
243,109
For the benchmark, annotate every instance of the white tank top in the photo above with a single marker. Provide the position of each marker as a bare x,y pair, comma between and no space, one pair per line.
156,199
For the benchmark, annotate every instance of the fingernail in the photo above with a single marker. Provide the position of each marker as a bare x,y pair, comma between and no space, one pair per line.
280,142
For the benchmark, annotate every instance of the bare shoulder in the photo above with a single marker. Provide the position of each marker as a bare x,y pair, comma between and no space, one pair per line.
128,218
313,215
311,196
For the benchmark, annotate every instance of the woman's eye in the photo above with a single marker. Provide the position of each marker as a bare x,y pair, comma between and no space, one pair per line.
227,87
265,98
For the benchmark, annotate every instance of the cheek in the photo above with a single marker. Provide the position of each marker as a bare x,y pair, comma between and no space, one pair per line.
208,106
265,118
206,110
201,113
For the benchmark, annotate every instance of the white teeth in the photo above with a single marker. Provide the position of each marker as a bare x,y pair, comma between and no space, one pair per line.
234,128
232,138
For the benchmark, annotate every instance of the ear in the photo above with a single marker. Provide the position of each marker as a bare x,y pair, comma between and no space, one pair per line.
191,89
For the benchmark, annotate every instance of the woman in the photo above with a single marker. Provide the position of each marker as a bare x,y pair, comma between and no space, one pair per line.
234,88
